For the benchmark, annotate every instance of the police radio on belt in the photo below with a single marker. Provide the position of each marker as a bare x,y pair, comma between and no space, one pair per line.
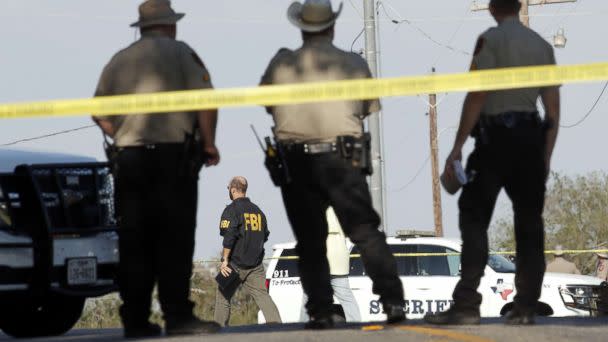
274,161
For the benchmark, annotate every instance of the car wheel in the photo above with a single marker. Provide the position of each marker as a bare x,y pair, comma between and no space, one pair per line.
55,316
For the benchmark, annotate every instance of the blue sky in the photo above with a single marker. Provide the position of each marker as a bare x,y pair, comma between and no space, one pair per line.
56,49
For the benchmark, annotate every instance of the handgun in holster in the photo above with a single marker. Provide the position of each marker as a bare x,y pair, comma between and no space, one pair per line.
276,163
112,152
193,158
358,151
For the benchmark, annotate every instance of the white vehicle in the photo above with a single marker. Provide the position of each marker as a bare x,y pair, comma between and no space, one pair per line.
58,240
429,281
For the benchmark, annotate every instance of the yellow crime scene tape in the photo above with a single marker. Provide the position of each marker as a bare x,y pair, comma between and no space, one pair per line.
362,89
403,255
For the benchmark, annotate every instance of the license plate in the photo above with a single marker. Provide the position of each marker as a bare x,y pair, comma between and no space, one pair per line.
82,271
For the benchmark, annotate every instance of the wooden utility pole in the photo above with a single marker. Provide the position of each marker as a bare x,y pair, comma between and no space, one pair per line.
525,6
435,164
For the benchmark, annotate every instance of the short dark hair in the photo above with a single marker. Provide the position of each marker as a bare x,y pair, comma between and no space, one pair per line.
239,183
506,6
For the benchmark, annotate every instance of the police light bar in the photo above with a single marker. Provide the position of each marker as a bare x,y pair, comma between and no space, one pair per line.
415,233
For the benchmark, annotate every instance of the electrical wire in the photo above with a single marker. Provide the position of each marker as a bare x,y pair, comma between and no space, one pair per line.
421,31
352,46
597,101
356,8
418,173
564,18
422,167
49,135
451,40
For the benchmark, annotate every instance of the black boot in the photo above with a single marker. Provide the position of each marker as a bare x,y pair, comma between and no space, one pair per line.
320,322
520,316
454,316
190,326
395,313
136,324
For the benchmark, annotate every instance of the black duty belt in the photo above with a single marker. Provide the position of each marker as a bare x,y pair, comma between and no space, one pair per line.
312,148
508,119
153,147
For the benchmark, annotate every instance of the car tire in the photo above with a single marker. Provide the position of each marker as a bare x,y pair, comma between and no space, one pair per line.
55,316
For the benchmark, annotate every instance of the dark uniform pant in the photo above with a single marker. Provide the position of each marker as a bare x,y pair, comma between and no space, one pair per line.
157,216
323,180
513,159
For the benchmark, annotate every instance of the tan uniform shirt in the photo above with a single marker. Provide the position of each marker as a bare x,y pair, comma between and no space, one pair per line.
153,64
561,265
511,44
338,255
316,61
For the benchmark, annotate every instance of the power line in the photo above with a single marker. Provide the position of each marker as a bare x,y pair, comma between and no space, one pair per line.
422,167
49,135
355,40
421,31
356,8
460,25
597,101
565,17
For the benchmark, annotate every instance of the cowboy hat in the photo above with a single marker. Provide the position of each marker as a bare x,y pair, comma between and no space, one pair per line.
313,15
157,12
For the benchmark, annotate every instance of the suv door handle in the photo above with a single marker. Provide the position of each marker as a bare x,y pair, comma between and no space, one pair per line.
423,288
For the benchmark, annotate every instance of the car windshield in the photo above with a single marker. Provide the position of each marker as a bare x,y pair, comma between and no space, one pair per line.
501,264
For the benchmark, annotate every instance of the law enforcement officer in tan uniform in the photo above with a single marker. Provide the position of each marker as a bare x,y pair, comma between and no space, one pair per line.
325,154
560,265
156,164
512,151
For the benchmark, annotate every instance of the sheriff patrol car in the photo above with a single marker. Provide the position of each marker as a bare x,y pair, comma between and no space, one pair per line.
429,281
58,240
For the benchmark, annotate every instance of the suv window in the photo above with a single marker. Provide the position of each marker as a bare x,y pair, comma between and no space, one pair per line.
500,264
437,265
406,266
287,268
415,265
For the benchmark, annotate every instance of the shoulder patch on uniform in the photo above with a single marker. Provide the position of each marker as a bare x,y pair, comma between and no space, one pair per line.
479,45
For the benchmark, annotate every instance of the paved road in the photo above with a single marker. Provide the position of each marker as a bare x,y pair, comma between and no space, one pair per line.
547,329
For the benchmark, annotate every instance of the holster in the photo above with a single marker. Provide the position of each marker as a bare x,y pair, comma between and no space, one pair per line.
358,151
112,152
193,158
276,163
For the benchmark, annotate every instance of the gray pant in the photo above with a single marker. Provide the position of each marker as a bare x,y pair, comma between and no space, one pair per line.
344,294
253,280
